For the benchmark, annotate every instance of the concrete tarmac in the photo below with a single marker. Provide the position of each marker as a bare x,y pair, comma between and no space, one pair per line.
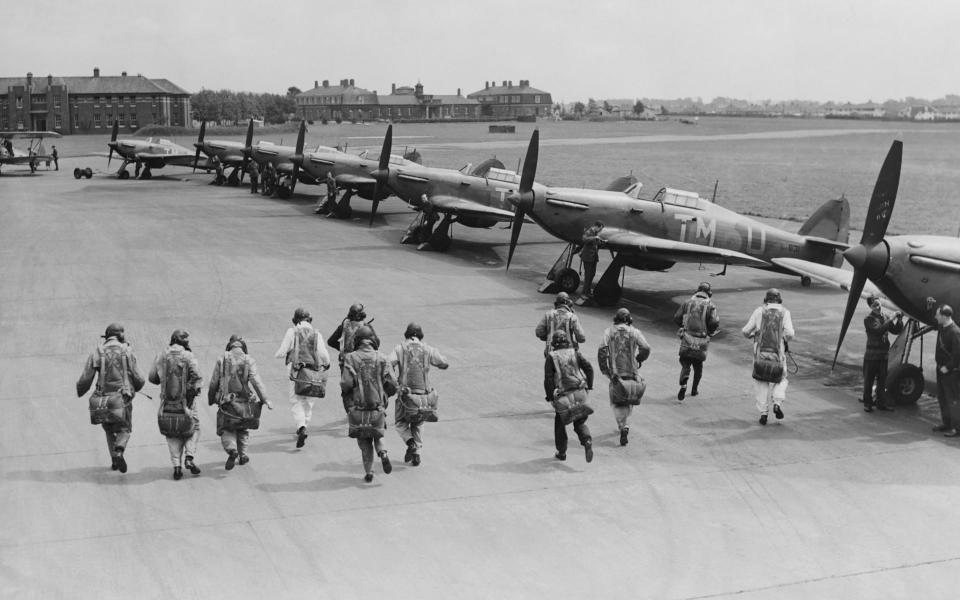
703,502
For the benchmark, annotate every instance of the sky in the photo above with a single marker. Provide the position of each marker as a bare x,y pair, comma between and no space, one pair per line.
819,50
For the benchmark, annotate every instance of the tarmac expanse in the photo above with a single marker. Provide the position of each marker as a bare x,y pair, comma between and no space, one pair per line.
703,502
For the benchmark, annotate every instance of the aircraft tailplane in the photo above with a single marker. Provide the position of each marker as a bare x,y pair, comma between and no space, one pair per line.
830,222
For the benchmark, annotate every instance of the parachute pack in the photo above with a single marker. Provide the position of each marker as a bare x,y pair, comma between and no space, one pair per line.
173,419
238,409
694,335
768,361
368,391
308,379
567,373
419,402
110,406
349,331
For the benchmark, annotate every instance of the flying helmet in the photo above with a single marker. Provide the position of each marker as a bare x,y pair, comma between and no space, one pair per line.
236,341
301,314
560,340
356,312
114,330
623,316
705,288
413,330
563,299
773,295
364,333
180,337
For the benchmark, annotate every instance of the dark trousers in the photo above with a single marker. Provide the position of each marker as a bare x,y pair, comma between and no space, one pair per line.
560,433
875,370
589,272
948,395
686,363
254,184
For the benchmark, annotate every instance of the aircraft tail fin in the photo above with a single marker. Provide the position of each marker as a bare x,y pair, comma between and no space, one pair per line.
829,225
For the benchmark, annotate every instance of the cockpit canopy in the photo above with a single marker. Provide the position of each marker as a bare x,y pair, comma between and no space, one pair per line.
503,175
680,198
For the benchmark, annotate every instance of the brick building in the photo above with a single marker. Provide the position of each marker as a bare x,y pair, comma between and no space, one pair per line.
90,104
350,103
508,101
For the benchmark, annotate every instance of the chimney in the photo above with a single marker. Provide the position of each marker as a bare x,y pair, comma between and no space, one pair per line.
96,71
511,83
316,84
486,85
351,83
393,88
504,83
326,83
123,73
29,79
50,80
458,91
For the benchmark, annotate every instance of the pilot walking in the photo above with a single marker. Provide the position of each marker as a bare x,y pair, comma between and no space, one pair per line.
770,327
567,377
176,372
947,357
116,369
875,355
308,341
621,352
698,320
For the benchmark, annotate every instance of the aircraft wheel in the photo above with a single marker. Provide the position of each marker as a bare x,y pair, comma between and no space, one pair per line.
607,294
284,192
805,281
568,280
88,172
440,243
344,213
77,173
124,174
905,384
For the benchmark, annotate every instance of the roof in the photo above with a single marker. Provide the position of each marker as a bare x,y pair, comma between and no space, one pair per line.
502,90
87,84
455,99
335,90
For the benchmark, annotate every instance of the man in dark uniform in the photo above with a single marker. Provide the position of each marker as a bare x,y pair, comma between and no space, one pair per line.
948,371
55,156
254,171
571,365
875,356
590,255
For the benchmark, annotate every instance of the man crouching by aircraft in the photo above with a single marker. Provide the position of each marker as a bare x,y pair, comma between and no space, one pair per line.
770,327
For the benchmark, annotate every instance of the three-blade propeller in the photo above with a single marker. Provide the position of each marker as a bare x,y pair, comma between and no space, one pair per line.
870,258
382,174
523,200
247,150
297,159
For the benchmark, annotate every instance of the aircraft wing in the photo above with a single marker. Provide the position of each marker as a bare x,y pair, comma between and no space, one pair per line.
840,278
28,135
460,206
349,179
22,160
634,242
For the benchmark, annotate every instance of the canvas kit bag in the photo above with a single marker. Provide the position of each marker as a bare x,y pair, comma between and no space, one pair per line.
369,423
767,361
308,380
627,391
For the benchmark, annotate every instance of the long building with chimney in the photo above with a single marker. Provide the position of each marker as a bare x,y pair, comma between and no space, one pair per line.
90,104
508,101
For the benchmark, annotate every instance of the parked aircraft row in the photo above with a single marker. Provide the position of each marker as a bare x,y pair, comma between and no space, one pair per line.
914,272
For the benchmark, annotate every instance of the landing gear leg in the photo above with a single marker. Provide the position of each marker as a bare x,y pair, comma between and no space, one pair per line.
234,177
608,290
343,209
440,238
136,171
420,229
561,276
146,173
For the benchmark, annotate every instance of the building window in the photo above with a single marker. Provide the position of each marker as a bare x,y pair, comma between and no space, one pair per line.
122,118
19,123
516,99
58,122
96,100
130,101
19,101
56,101
536,99
96,119
76,118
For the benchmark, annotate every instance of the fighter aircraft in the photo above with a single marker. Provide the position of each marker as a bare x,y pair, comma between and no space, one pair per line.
231,154
148,154
355,173
288,162
674,226
33,155
472,197
916,272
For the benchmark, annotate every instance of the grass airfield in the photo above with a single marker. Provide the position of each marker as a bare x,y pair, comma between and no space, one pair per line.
703,502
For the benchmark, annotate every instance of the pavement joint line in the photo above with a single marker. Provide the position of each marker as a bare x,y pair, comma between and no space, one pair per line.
798,582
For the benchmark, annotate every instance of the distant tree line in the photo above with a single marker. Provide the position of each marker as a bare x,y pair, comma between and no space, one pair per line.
227,107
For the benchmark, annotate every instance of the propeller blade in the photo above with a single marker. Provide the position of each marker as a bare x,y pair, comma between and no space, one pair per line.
856,288
383,172
884,195
530,163
298,155
116,130
196,159
203,131
525,194
518,217
109,156
247,150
